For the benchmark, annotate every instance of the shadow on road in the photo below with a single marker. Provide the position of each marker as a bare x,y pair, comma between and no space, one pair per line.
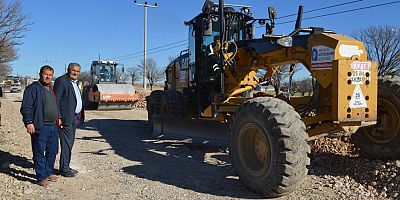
169,162
7,161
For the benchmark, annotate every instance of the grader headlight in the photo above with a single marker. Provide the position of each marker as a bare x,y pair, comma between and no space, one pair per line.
285,41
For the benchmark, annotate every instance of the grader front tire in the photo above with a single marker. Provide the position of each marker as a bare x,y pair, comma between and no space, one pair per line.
269,146
154,101
382,141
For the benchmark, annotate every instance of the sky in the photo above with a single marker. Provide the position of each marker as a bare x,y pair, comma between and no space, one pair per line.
65,31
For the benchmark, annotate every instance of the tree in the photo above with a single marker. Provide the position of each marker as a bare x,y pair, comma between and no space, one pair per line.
383,45
294,87
154,73
278,77
133,73
305,85
13,25
5,69
85,76
120,76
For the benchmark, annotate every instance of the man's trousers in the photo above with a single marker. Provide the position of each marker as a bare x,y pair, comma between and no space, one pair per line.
45,149
67,138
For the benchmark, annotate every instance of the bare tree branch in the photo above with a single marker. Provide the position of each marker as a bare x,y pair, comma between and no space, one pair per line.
278,77
154,73
305,85
13,25
85,76
133,73
383,45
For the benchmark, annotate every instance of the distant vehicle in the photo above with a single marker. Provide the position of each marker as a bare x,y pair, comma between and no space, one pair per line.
16,88
9,81
104,92
17,80
30,81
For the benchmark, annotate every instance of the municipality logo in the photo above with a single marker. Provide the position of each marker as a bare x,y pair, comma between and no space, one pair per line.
314,55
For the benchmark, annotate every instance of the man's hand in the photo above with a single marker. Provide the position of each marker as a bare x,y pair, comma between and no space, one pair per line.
30,128
60,125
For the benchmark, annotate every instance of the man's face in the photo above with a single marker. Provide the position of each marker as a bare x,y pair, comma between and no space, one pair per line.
74,72
46,76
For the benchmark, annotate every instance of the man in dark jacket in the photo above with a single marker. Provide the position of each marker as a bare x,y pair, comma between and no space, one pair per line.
70,102
39,113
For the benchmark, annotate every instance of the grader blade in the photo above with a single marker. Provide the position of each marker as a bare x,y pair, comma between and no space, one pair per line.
198,131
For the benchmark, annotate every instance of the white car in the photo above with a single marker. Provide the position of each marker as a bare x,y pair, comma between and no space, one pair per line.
15,88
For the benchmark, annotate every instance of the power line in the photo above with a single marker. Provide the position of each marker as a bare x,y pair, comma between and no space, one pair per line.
345,11
335,13
317,9
161,50
129,56
323,8
132,55
141,52
145,6
154,52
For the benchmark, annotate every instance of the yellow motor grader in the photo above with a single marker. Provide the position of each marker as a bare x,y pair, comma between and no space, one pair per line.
207,96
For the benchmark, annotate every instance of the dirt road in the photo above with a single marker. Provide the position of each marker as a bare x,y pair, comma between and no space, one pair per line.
118,159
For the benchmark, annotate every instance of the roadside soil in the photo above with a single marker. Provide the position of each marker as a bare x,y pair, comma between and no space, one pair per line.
117,158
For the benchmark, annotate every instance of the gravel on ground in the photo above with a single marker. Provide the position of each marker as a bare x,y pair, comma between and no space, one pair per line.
117,158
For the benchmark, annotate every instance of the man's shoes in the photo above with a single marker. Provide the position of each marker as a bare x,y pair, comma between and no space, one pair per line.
73,171
43,182
52,178
67,173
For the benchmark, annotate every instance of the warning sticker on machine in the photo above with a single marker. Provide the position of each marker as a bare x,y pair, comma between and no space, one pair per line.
360,71
357,65
182,76
357,99
322,57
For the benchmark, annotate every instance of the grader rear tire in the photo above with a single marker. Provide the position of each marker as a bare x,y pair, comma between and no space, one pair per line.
269,147
172,104
382,141
154,102
153,105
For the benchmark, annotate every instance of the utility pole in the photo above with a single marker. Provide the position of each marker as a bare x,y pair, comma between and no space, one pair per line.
145,6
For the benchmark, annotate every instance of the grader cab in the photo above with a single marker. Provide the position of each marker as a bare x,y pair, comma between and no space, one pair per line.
207,96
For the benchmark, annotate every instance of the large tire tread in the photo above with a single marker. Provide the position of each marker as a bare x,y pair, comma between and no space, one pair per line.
286,129
154,102
388,88
174,101
153,105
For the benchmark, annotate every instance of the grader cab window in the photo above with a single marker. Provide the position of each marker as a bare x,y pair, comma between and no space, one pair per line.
209,39
107,74
236,28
